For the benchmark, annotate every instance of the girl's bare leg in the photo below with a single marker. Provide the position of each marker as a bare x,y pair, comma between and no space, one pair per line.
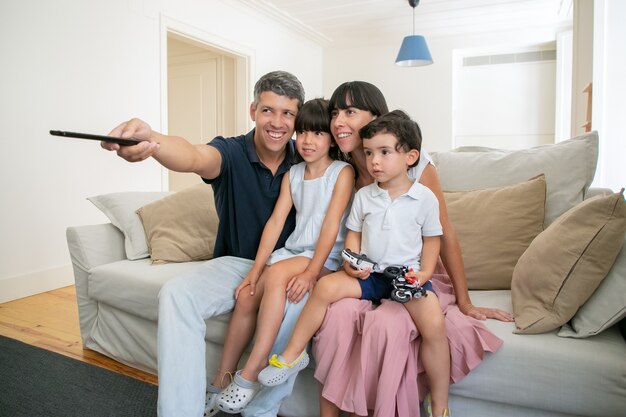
240,331
328,289
270,316
434,351
327,408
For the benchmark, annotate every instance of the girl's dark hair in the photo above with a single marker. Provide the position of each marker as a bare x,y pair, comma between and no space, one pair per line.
397,123
359,94
314,116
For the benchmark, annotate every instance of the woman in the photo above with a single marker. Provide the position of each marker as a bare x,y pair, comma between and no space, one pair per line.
367,356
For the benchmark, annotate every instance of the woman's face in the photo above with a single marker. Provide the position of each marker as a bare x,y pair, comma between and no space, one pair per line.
345,125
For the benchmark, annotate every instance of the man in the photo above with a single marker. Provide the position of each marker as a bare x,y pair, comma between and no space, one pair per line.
245,173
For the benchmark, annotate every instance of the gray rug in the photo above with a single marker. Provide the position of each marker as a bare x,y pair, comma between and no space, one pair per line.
38,383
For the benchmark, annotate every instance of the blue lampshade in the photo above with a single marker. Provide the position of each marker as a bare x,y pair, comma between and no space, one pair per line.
414,52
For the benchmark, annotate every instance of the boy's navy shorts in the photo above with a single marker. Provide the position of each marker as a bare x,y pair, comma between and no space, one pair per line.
377,286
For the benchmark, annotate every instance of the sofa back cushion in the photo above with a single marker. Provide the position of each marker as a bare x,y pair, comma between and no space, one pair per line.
121,209
569,167
181,227
565,264
605,307
494,227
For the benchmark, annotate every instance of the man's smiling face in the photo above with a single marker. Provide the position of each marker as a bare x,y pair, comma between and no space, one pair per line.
274,117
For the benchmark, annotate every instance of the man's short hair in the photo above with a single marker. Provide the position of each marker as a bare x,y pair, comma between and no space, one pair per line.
281,83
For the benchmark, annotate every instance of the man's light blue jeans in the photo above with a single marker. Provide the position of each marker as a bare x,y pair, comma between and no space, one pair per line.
184,303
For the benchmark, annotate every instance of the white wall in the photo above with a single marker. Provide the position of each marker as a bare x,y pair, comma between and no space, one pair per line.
582,62
426,93
507,105
86,66
609,91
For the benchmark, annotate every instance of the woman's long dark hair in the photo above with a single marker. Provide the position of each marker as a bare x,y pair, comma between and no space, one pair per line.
359,94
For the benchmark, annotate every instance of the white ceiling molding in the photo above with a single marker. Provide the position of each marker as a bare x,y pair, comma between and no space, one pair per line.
328,21
286,19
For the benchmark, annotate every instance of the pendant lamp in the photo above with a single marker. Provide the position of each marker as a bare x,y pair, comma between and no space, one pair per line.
414,51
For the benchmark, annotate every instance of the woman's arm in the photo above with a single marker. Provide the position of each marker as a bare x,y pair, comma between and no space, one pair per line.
452,258
342,192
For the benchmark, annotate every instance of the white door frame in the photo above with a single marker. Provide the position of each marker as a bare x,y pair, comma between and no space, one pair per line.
244,68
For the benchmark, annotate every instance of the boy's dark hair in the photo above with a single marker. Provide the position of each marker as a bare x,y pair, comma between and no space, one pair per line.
399,124
359,94
281,83
315,117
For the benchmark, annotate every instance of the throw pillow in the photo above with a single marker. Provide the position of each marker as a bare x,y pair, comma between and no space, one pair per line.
494,227
569,167
181,227
120,209
605,307
565,264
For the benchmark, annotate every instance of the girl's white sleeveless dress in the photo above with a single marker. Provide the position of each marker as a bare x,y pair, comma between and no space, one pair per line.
311,199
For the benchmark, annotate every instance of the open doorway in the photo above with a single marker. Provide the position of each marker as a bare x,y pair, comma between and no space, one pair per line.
206,95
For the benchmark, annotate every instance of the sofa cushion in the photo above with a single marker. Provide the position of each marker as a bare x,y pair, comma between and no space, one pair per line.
605,307
494,227
565,264
544,371
120,209
133,286
181,227
569,167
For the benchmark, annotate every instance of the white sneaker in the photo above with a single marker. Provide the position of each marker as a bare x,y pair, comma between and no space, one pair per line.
210,406
279,371
237,395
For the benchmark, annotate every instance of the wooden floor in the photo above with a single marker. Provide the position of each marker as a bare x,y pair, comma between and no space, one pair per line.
50,321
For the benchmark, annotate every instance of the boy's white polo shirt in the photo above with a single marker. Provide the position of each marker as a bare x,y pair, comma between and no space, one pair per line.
392,230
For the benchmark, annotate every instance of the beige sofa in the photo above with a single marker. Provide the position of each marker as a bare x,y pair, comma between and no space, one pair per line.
575,369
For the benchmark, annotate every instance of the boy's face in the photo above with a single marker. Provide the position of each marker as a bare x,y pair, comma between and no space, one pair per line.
384,161
274,117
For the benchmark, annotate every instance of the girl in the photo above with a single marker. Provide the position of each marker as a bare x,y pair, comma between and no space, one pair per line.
389,221
320,189
357,332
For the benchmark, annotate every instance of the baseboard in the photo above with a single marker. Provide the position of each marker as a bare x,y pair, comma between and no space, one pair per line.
21,286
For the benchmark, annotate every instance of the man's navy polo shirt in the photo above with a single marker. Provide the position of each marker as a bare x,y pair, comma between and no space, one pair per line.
245,195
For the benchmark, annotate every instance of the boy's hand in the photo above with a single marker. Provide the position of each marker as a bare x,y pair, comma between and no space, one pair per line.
300,285
356,273
420,277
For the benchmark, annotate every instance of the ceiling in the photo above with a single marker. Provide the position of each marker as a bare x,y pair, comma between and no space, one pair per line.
329,21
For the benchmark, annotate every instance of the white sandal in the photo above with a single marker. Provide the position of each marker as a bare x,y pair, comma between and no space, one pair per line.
210,406
237,395
279,371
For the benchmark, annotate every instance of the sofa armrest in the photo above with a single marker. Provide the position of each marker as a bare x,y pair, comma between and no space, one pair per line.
89,247
95,245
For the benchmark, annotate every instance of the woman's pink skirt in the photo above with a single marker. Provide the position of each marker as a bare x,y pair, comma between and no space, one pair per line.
367,357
